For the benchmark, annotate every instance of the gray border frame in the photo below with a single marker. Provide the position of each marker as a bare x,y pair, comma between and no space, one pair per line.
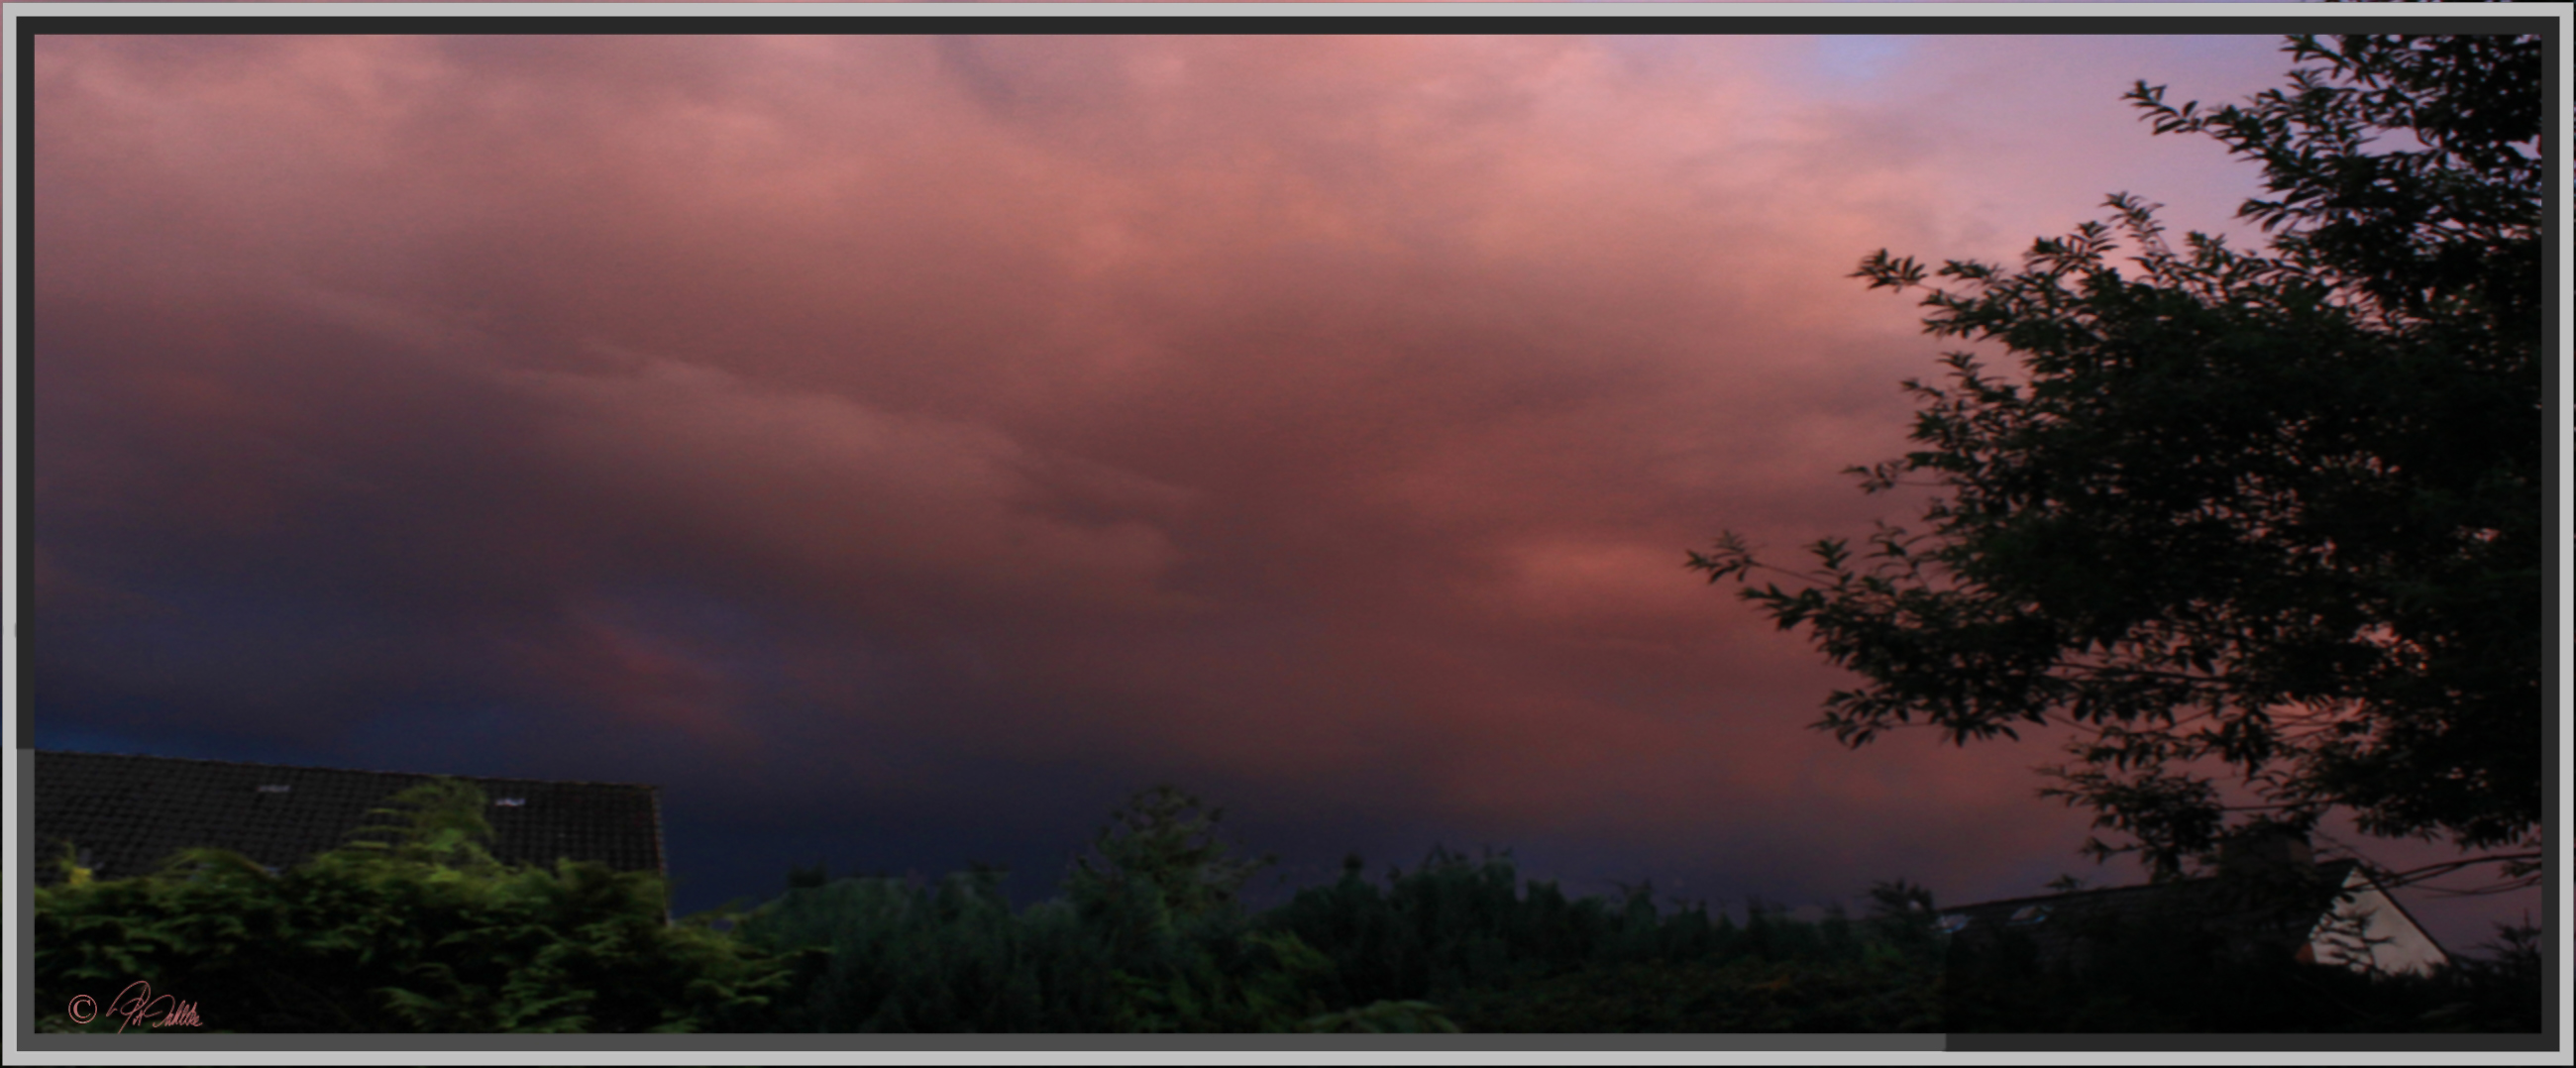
1765,18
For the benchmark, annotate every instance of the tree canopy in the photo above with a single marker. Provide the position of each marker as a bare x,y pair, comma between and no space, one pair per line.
2264,519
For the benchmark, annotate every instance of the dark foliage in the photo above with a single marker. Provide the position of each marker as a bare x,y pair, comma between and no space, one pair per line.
421,932
2171,974
2275,518
1881,975
1148,937
1456,923
952,957
2231,954
415,930
1746,994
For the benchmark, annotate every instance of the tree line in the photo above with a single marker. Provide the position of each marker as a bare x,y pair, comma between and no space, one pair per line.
413,927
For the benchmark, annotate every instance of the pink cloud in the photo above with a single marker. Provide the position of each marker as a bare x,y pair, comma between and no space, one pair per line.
1326,415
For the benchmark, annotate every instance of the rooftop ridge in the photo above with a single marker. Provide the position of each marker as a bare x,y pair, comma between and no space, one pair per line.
2347,863
366,771
129,813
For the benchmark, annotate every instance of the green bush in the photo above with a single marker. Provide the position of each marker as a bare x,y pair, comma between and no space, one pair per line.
419,931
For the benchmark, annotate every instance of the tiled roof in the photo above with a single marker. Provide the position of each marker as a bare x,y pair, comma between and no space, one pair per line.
2057,924
128,813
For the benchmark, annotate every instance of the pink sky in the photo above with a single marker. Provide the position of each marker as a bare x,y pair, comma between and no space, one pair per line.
970,431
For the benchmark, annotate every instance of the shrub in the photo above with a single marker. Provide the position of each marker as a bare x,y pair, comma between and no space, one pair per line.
420,931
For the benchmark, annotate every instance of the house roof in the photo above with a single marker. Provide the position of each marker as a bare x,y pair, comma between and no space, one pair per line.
2057,925
126,814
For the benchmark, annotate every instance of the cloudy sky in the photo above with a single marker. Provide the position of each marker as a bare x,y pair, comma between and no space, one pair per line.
902,449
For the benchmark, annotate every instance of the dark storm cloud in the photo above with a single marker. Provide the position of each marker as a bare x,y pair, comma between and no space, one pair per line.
917,444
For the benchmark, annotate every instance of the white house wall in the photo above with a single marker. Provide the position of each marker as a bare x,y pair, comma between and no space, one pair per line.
2387,940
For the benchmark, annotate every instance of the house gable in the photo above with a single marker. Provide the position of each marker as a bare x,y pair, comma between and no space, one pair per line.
2364,929
2370,930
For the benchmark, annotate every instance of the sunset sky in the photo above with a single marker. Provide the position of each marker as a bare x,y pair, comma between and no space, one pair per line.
903,449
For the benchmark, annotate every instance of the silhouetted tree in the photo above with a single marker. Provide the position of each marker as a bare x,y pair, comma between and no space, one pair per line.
2272,514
